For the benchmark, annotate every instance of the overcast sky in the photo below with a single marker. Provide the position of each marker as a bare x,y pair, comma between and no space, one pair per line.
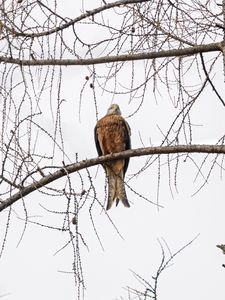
35,269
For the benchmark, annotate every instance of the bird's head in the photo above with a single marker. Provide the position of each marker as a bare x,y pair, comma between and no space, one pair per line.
114,110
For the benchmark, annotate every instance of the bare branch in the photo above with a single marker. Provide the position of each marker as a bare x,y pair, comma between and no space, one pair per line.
87,14
213,47
219,149
151,290
210,81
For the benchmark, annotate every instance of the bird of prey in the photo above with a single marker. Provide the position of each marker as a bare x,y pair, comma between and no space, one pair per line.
112,135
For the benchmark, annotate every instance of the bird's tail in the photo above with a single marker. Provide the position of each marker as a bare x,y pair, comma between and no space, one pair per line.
111,190
121,192
116,191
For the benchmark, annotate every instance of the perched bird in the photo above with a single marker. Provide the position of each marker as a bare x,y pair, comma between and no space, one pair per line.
112,135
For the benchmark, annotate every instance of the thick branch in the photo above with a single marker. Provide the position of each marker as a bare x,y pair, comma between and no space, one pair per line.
108,59
100,160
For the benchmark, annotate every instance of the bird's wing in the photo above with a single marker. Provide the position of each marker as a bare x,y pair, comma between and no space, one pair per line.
97,142
127,141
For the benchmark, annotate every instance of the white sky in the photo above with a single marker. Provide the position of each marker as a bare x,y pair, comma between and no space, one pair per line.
32,271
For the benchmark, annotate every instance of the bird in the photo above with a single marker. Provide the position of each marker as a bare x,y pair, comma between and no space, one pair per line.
112,134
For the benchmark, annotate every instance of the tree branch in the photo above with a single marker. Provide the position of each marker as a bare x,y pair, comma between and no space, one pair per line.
223,44
108,59
210,81
83,16
219,149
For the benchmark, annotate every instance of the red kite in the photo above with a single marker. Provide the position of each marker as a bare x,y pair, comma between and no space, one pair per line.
112,135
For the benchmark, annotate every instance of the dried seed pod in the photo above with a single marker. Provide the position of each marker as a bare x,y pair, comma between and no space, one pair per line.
74,220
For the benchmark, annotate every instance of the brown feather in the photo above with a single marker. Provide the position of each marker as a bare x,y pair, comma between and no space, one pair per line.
120,191
110,132
111,191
